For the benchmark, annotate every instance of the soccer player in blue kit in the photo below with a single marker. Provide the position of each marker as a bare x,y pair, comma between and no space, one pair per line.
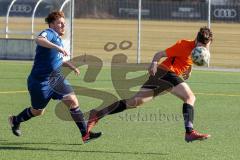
46,82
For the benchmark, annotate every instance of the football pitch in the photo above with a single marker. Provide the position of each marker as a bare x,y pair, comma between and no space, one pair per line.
153,131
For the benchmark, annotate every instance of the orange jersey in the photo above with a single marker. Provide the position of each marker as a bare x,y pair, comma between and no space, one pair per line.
179,56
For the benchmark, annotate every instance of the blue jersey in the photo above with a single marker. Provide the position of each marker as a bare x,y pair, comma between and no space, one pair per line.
47,60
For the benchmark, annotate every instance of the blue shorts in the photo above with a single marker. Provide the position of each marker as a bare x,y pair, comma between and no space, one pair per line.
42,91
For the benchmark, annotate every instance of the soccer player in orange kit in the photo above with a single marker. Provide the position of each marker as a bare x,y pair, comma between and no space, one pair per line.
166,76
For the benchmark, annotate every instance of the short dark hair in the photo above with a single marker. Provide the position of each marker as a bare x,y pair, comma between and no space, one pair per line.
204,35
54,16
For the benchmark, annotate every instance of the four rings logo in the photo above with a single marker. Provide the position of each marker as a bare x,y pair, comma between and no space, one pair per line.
21,8
225,13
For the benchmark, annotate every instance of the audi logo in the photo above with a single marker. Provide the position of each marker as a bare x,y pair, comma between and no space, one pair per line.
225,13
21,8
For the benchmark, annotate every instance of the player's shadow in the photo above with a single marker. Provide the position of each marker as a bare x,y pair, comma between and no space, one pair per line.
18,146
36,143
3,140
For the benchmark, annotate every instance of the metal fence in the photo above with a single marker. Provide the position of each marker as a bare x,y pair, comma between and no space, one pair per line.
101,21
157,10
22,20
98,23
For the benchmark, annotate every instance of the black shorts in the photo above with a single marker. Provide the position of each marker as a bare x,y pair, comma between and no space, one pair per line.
162,81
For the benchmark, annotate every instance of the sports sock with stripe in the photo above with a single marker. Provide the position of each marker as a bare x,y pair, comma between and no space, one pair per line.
78,118
25,115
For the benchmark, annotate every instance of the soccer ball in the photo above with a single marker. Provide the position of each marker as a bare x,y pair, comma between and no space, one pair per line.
200,56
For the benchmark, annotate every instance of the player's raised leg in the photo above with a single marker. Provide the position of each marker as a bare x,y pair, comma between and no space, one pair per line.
144,95
154,86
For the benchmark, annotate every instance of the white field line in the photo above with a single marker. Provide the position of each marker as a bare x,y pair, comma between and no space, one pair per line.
197,93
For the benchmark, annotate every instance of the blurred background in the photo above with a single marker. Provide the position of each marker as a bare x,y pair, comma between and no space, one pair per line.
93,24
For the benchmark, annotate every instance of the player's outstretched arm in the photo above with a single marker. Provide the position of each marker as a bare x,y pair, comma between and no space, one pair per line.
71,66
42,41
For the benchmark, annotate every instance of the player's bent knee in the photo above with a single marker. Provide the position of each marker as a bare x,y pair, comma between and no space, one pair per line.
139,102
135,102
37,112
71,101
193,98
190,99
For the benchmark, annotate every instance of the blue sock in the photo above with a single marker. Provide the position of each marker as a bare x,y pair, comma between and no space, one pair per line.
78,117
25,115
